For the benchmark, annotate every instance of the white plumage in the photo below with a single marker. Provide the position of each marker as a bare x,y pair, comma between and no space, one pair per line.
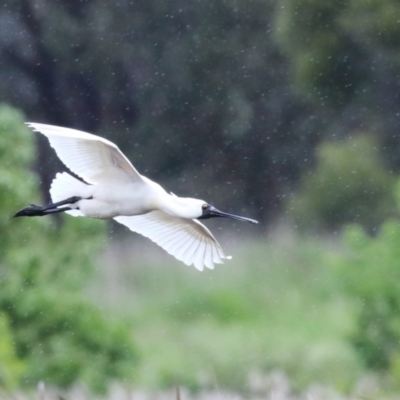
186,239
113,188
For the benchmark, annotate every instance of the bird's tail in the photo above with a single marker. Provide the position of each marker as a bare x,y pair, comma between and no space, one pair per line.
64,186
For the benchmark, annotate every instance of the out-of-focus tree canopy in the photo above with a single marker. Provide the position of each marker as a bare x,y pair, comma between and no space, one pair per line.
345,57
196,91
349,184
223,100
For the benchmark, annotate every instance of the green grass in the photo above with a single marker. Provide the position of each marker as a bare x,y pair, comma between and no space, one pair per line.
276,305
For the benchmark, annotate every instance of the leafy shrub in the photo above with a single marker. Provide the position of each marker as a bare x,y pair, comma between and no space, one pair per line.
348,184
59,335
370,273
11,368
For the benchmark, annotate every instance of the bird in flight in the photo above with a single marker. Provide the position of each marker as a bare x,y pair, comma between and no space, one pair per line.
111,187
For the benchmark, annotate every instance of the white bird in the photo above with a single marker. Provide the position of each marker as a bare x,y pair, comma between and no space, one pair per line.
112,188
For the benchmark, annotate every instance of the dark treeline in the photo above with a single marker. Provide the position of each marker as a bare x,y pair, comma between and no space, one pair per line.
218,99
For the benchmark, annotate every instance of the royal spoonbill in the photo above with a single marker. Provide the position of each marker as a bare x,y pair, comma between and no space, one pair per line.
112,188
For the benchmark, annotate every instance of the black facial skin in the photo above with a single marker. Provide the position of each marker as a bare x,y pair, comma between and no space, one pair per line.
212,212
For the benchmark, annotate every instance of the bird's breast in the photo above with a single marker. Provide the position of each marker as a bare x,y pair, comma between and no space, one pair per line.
109,201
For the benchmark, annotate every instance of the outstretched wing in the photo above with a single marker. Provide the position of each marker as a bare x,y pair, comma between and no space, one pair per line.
186,239
91,157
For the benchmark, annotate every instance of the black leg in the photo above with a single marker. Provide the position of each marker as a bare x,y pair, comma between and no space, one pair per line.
35,210
70,200
38,211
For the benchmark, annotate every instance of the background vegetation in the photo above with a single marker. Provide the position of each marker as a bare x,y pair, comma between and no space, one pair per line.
287,111
48,330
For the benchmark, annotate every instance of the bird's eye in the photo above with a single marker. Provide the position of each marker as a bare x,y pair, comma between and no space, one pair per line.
204,206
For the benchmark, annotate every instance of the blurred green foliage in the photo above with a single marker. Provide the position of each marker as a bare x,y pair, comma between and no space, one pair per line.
237,92
370,272
11,367
348,184
201,89
330,45
326,65
60,337
208,89
275,306
375,23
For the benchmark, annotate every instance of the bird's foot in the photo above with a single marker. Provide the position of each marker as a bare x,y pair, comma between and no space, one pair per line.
33,210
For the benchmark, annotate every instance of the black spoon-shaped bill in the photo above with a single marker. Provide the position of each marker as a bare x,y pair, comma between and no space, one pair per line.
212,212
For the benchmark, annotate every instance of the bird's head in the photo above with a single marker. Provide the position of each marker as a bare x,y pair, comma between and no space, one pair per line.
200,209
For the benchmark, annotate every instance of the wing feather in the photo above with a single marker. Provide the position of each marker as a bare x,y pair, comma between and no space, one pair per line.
186,239
208,260
91,157
200,260
192,251
184,245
